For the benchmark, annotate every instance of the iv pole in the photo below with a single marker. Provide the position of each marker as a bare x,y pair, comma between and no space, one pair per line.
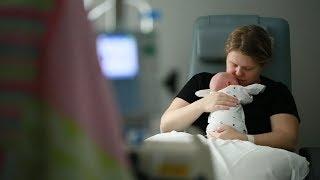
145,11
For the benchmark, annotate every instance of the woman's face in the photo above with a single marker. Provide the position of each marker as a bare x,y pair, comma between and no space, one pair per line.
244,68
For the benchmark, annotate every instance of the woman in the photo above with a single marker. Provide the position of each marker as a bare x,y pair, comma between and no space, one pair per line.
272,118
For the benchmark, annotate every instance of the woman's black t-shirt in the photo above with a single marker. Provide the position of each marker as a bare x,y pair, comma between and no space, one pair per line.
275,99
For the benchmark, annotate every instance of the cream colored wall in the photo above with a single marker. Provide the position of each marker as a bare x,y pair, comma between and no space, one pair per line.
175,35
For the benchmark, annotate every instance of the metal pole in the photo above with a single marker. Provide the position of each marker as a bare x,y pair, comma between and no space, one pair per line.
119,14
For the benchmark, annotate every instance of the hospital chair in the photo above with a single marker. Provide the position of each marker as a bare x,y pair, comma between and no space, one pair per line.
209,36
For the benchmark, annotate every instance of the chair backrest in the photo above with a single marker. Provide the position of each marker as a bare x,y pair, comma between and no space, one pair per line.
211,32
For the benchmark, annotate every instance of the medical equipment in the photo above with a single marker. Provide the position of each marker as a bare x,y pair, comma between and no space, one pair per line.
181,156
118,55
119,62
128,59
148,16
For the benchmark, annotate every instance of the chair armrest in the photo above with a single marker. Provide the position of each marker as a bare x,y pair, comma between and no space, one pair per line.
312,154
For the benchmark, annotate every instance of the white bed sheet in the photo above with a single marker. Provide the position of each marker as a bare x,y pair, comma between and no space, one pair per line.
243,160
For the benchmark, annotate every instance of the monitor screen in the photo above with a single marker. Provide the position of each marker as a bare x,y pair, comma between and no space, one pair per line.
118,55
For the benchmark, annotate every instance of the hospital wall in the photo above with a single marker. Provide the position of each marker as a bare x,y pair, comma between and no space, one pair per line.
174,38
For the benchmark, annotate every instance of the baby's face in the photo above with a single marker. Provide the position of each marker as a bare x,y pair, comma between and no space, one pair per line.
231,80
222,80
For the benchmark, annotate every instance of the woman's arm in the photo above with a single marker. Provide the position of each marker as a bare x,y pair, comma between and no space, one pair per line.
284,133
182,114
179,115
285,128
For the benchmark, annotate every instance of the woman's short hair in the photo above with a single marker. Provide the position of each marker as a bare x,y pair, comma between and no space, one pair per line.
251,40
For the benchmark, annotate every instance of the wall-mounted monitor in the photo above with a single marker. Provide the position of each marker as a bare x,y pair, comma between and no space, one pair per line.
118,55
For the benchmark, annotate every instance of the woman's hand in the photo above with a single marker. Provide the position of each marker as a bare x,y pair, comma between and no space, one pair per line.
217,101
227,132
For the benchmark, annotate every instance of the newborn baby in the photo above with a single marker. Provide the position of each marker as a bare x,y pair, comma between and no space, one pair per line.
234,116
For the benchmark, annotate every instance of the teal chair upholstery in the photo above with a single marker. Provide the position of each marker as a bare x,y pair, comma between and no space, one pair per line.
211,32
209,36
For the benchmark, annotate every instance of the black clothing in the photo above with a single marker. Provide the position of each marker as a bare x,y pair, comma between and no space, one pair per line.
275,99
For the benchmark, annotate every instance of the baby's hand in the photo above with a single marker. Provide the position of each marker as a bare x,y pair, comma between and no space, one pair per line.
227,132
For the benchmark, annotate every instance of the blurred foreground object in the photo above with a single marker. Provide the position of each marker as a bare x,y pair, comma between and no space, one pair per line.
175,155
57,114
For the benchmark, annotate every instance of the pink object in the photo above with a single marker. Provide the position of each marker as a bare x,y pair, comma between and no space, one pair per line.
73,83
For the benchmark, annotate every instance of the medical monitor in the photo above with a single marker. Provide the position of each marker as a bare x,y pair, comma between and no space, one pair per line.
118,55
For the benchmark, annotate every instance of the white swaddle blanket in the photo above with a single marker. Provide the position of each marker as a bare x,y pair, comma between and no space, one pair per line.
243,160
234,116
